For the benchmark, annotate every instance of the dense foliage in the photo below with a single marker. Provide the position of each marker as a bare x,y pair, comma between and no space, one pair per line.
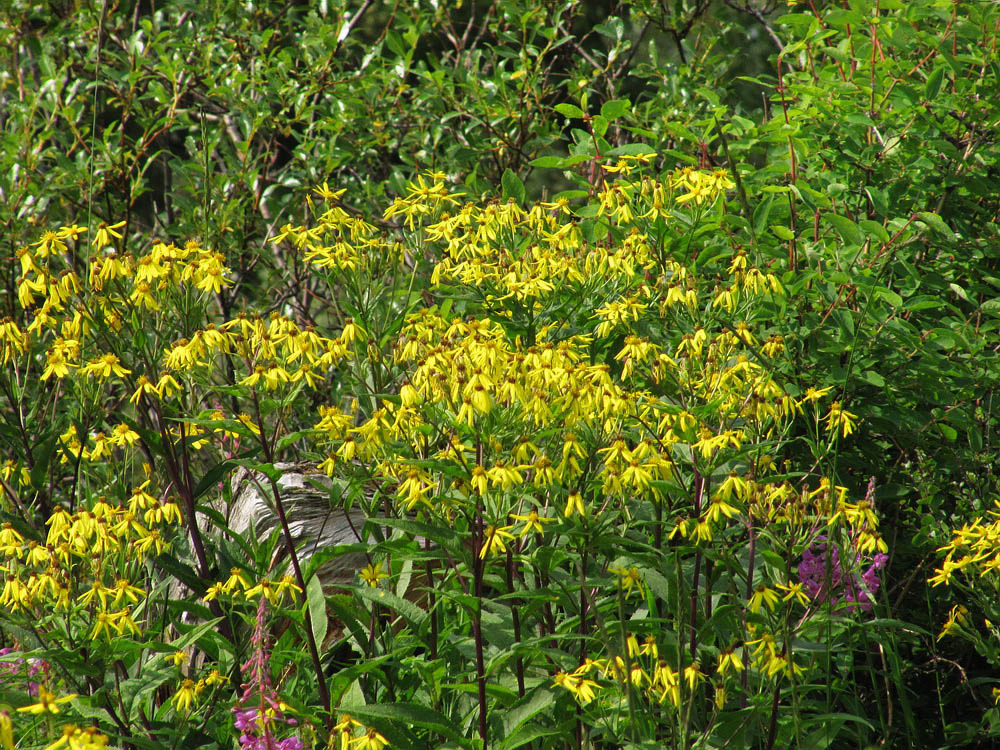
662,379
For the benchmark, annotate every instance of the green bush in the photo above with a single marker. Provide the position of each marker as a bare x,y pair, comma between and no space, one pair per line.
654,399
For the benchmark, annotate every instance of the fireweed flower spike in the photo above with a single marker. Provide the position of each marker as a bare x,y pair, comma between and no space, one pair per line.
259,708
843,586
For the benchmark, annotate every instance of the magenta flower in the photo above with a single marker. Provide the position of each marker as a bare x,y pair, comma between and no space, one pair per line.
825,577
259,707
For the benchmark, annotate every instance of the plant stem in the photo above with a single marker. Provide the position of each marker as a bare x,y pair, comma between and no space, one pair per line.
477,624
286,532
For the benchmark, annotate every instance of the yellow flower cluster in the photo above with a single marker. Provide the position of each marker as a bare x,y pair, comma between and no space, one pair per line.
576,367
88,561
545,299
974,547
186,697
117,283
351,734
341,243
274,352
644,670
74,738
700,186
772,658
237,585
422,199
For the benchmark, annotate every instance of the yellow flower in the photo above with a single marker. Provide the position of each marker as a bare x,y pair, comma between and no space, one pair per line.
504,475
123,589
10,540
649,647
815,394
6,731
211,277
574,504
794,591
582,689
236,579
97,590
955,619
213,591
479,480
693,675
186,696
371,740
763,595
372,574
150,540
216,678
533,522
666,681
628,578
122,435
143,388
104,624
105,366
324,191
79,739
71,232
719,507
47,703
730,660
285,584
839,419
104,234
493,540
56,363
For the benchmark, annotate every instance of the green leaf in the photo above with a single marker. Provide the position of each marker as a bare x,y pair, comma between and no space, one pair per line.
570,110
193,635
326,554
848,230
761,213
615,108
934,222
632,149
212,477
518,715
410,714
182,572
293,437
559,162
890,296
599,124
782,233
407,609
442,535
548,162
512,187
528,733
613,28
316,602
933,85
43,454
268,470
872,377
874,229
